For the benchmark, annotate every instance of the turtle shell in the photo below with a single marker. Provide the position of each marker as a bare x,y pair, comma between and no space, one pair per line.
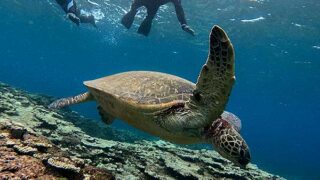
144,87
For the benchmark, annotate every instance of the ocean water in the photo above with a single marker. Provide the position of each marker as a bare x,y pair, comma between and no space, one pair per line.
277,45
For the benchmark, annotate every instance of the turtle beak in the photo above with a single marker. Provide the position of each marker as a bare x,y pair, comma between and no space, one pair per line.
245,156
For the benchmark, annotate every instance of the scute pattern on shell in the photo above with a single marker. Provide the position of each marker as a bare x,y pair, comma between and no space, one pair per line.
144,87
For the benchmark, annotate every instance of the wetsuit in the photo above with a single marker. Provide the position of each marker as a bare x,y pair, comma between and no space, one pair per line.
74,14
152,8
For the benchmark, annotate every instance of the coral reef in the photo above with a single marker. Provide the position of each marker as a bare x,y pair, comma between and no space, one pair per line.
20,158
75,147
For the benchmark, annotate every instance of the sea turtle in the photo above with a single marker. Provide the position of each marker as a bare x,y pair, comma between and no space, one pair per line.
173,108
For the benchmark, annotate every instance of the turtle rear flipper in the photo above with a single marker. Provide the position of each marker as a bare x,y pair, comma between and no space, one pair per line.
232,119
60,103
107,118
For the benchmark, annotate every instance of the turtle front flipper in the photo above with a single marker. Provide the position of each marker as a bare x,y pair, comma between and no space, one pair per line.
60,103
106,117
216,77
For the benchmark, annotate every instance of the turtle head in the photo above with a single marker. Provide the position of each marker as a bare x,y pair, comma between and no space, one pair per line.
225,137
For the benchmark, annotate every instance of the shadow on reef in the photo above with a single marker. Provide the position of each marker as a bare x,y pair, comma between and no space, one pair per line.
98,146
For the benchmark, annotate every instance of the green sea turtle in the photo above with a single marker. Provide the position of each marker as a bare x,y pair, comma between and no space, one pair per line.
173,108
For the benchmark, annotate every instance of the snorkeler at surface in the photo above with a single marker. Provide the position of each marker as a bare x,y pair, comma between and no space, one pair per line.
152,8
74,14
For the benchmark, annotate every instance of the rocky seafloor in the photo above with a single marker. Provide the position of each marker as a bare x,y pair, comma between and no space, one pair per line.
37,143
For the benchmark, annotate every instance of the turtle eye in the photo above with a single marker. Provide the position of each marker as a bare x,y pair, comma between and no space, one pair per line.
197,95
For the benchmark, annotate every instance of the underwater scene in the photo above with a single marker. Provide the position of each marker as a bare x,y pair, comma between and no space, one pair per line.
159,89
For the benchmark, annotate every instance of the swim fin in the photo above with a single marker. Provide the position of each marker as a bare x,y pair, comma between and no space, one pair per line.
88,19
92,21
128,18
145,27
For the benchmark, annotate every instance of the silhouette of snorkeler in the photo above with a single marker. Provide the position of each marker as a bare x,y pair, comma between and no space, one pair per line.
152,8
74,14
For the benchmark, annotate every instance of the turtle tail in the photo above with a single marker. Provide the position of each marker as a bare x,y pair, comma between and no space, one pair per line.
60,103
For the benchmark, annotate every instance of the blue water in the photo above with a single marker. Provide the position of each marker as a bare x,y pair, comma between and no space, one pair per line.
277,46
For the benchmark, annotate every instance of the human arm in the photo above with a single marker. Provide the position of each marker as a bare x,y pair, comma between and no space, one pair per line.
181,17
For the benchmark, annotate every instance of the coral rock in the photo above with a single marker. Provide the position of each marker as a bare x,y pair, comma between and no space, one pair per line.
63,164
24,149
22,159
